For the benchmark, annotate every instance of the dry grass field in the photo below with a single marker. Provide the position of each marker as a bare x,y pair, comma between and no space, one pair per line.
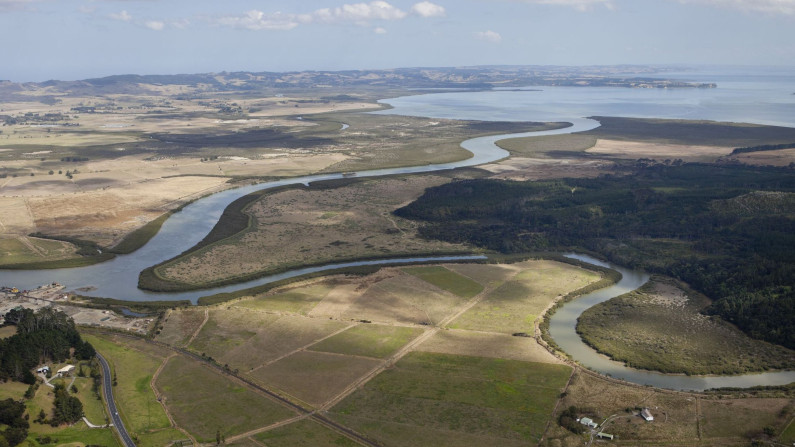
314,377
298,227
402,298
783,157
679,418
203,401
179,327
487,344
246,340
368,340
132,157
519,302
659,151
548,157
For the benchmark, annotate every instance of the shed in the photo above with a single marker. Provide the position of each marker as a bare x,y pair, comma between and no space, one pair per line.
604,435
66,370
646,414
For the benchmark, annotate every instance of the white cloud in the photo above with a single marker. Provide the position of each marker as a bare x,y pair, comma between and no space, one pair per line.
380,30
579,5
356,13
258,20
489,36
359,13
427,9
124,16
180,24
786,7
154,25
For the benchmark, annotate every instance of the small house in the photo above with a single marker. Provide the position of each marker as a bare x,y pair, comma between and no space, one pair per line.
588,422
646,414
66,370
43,370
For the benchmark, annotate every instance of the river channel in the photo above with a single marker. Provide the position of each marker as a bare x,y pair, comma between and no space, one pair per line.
757,102
118,278
562,328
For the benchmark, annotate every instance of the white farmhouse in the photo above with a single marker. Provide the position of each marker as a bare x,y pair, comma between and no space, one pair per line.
66,370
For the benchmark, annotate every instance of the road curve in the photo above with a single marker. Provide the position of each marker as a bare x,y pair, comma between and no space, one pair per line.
107,390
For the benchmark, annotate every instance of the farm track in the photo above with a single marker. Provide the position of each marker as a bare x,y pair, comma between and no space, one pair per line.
301,410
402,352
303,348
162,399
199,329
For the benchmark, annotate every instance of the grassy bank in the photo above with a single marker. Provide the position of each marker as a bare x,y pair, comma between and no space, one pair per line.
90,252
659,327
141,236
609,277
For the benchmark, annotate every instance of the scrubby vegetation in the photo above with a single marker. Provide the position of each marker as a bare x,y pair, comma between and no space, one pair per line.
16,427
690,222
658,327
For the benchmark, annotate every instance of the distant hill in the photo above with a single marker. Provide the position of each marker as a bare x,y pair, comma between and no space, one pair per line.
485,77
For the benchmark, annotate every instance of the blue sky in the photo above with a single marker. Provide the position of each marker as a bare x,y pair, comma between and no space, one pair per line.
77,39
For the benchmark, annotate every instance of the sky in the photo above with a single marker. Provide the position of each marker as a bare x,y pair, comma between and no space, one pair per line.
79,39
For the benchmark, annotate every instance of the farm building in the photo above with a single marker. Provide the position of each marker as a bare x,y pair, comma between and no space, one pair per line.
66,370
588,421
604,435
647,415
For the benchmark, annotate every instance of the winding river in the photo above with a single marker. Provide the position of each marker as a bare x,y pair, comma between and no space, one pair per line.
562,328
118,277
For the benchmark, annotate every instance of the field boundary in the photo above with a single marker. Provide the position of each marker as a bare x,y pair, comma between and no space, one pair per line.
339,428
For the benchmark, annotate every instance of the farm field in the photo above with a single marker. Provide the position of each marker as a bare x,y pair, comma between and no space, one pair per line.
400,382
314,377
304,433
487,344
308,342
518,303
179,327
368,340
203,401
135,363
245,340
659,327
446,280
296,300
437,399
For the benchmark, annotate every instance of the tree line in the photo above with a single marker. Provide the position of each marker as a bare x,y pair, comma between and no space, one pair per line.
44,336
728,231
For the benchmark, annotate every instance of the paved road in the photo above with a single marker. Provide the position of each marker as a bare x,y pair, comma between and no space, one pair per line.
316,416
107,389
